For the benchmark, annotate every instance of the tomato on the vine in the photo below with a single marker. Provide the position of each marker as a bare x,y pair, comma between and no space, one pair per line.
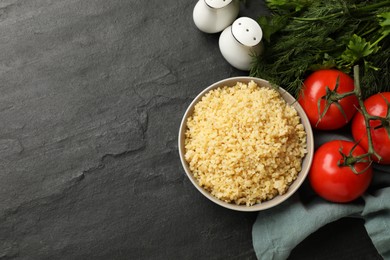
339,183
376,106
314,89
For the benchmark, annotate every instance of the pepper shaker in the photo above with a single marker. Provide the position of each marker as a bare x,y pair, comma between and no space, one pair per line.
212,16
240,41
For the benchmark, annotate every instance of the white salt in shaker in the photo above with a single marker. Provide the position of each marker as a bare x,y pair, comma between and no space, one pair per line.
240,41
212,16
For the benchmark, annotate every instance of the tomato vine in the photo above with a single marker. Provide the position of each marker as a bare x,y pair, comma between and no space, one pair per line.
349,159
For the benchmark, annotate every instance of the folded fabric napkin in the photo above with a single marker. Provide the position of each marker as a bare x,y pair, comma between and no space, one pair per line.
277,231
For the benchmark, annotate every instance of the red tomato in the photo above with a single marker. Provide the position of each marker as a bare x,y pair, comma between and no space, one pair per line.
338,183
314,88
376,106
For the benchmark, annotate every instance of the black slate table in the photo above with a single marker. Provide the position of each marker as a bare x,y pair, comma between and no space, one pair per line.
91,96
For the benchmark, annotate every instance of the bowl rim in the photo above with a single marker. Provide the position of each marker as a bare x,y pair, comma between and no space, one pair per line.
306,161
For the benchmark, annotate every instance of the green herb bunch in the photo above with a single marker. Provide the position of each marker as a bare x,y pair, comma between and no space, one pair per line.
301,36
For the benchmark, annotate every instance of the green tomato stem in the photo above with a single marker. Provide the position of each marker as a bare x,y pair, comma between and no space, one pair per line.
366,115
350,160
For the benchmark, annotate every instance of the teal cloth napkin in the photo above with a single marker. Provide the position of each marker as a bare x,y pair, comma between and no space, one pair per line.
277,231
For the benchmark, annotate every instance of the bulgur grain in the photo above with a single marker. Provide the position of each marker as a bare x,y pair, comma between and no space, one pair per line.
244,144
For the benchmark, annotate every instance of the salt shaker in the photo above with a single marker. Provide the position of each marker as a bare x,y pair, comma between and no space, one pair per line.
240,41
212,16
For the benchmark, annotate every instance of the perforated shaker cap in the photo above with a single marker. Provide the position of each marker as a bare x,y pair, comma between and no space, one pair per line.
217,3
247,31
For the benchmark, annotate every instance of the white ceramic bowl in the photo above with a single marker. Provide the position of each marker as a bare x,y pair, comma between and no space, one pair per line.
306,163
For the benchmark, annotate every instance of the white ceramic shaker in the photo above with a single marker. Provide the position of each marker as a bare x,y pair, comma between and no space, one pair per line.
240,41
212,16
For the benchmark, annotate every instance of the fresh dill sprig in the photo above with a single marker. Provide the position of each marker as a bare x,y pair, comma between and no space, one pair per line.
306,35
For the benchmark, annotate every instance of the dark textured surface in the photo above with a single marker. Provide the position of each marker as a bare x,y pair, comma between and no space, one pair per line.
343,239
92,93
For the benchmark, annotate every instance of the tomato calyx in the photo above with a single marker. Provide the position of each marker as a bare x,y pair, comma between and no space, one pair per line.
332,97
349,160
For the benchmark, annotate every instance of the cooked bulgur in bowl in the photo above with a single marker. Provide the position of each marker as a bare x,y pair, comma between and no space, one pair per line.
245,145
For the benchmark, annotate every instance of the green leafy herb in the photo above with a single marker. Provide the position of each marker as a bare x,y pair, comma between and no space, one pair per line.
384,21
358,48
301,36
